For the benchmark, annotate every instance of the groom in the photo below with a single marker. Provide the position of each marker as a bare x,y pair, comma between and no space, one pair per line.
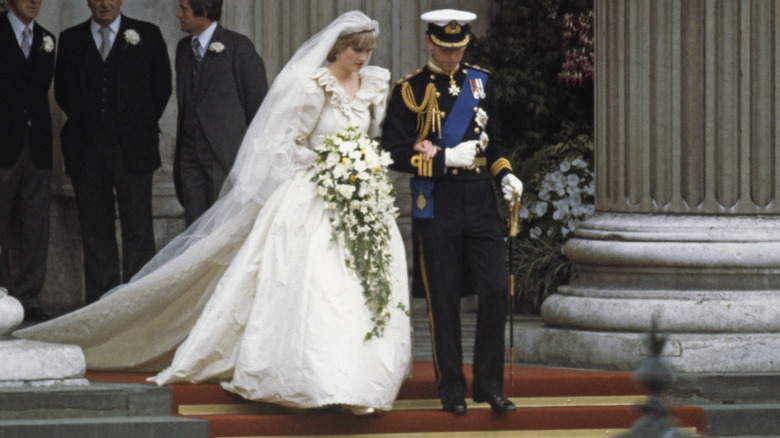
220,83
113,80
456,230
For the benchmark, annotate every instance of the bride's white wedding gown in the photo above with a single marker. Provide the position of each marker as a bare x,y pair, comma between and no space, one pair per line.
265,304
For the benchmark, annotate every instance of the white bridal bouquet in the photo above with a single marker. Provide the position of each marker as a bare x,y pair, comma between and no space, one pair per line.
351,175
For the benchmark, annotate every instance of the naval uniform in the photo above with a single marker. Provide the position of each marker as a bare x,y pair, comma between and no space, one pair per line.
458,237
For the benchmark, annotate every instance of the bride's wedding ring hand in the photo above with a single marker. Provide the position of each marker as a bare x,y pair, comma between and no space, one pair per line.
427,148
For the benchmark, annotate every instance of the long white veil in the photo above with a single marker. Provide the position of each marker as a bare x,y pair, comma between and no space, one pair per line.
267,154
139,325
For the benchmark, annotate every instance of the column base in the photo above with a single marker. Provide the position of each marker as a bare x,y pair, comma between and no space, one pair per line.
33,363
712,282
684,352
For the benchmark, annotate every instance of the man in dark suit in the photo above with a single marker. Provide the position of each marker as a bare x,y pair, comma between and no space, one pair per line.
113,80
220,83
442,126
26,69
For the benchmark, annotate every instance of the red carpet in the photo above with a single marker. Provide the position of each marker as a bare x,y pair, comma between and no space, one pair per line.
529,382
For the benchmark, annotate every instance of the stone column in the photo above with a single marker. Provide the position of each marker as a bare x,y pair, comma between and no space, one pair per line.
687,182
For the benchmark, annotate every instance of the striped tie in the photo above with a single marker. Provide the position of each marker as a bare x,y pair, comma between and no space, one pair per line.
196,49
26,41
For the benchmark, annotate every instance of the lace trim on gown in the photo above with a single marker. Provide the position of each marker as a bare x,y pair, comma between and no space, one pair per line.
373,87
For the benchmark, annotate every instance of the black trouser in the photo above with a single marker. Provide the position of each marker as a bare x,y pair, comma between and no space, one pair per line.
103,185
201,179
462,251
24,189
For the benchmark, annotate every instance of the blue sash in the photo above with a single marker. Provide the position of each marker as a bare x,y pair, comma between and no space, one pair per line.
451,135
461,113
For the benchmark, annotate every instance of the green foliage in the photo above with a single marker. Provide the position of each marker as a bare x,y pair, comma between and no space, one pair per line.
539,267
524,51
544,122
538,263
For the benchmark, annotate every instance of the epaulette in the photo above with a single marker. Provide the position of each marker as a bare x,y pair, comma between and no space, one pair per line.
478,68
409,76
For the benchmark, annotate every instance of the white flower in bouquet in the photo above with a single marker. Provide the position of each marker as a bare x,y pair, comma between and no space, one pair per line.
360,166
345,147
351,175
339,171
345,190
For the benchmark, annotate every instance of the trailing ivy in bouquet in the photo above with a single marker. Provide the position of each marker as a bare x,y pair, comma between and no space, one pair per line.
351,175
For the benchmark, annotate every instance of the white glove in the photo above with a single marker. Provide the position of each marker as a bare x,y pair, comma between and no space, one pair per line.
511,186
461,155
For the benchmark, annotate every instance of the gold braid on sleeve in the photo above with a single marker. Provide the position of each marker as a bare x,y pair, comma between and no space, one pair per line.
427,111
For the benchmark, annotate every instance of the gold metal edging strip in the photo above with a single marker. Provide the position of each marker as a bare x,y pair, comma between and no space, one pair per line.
563,433
424,404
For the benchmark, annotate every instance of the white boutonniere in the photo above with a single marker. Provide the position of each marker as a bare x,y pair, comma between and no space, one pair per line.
482,118
216,47
132,37
48,44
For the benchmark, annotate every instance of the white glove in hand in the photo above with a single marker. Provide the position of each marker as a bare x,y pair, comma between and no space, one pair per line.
510,185
461,155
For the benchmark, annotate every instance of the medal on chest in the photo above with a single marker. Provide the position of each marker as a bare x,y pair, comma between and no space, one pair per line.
454,90
477,88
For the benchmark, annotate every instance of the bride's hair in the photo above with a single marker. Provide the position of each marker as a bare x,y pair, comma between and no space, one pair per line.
365,40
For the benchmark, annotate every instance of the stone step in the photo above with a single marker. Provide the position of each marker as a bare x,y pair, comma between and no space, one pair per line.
102,427
753,420
93,401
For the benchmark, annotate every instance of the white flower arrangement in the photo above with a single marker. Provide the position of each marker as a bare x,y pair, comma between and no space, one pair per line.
132,37
48,44
216,47
564,200
351,175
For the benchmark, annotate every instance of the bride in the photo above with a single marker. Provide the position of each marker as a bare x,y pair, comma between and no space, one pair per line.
256,294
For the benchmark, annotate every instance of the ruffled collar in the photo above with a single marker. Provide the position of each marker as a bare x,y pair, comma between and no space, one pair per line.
374,81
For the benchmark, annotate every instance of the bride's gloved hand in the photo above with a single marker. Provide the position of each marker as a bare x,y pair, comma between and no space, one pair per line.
461,155
303,156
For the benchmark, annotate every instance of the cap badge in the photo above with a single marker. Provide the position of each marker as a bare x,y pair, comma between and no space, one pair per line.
452,28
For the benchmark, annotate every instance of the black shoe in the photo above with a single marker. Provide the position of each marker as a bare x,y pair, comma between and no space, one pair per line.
457,407
36,315
498,403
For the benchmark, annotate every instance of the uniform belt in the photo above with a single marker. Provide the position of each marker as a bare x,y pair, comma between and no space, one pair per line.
480,165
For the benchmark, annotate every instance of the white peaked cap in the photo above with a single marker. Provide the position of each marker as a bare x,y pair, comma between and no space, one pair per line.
442,17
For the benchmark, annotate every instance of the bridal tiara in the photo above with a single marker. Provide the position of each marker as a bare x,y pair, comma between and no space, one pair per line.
363,27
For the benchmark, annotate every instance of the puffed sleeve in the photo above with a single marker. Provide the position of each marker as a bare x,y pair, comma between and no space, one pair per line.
378,79
314,101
